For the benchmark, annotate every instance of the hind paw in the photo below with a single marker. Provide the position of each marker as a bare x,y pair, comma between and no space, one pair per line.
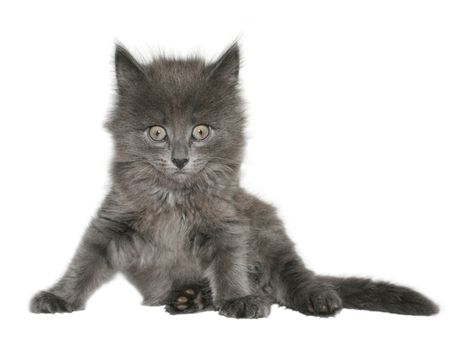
189,299
319,302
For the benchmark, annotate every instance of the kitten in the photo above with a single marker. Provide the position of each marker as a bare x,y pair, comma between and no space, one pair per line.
177,223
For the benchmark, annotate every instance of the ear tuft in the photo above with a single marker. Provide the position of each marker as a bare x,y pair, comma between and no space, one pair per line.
227,66
127,70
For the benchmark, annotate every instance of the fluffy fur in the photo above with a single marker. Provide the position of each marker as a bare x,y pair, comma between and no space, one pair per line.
192,239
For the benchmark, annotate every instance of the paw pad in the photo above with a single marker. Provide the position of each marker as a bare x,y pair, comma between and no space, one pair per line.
189,300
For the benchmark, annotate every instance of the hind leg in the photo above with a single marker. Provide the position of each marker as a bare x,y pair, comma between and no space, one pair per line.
317,299
190,298
298,288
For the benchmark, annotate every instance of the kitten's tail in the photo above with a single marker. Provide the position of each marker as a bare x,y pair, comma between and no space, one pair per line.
365,294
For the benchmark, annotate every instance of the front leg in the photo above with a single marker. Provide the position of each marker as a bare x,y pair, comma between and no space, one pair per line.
89,268
228,275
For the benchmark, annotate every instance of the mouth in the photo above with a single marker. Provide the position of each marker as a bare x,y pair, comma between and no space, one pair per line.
183,175
180,174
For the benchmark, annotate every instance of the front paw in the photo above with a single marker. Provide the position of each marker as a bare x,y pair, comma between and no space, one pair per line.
48,303
246,307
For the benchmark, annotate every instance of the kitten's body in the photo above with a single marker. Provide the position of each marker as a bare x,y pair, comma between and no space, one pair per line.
173,245
191,238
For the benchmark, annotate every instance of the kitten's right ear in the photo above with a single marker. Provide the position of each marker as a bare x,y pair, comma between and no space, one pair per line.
127,70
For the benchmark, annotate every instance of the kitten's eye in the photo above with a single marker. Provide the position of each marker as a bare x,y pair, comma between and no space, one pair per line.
157,133
200,132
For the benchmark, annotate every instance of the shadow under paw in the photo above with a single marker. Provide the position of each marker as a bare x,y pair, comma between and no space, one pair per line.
246,307
48,303
189,299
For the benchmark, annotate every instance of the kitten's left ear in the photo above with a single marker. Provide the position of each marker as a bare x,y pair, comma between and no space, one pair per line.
227,66
127,70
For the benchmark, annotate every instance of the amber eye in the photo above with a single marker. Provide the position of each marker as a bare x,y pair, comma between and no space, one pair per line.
200,132
157,133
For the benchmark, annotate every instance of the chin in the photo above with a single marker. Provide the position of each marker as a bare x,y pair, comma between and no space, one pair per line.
180,178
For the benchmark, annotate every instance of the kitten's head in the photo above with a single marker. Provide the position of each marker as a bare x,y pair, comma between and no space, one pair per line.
178,121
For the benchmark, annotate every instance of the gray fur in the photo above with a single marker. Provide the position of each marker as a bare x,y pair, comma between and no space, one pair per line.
195,230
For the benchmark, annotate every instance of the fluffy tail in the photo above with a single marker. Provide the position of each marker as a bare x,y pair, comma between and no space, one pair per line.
365,294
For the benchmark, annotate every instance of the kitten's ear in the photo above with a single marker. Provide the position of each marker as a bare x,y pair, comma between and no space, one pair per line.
127,70
227,66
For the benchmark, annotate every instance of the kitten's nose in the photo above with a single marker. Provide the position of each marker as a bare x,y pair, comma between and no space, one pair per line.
180,162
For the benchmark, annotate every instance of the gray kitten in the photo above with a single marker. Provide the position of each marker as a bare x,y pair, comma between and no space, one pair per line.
177,223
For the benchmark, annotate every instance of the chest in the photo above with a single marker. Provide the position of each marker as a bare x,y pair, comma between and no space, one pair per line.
179,234
167,230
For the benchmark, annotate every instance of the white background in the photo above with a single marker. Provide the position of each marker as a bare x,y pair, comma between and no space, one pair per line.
354,133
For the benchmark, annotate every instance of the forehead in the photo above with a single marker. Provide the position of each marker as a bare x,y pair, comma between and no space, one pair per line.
179,92
176,81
